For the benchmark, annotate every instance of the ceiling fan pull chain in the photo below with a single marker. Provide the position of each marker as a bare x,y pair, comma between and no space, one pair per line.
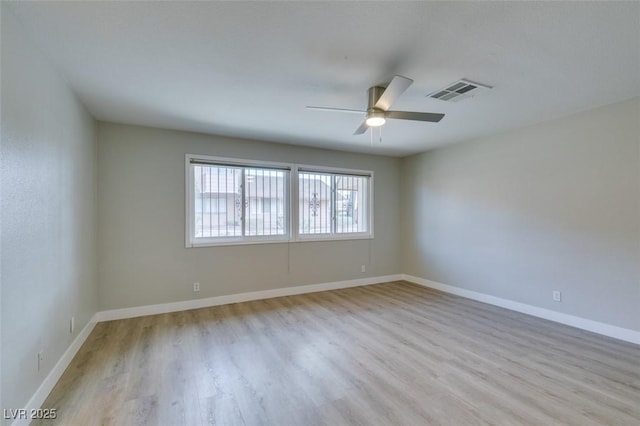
380,133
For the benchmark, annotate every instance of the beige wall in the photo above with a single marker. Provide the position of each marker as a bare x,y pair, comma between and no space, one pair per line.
48,175
555,206
143,259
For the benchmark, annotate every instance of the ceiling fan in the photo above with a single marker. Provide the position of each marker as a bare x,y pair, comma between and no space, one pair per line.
380,100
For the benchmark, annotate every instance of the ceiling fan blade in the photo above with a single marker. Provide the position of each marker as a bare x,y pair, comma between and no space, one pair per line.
357,111
363,128
416,116
393,91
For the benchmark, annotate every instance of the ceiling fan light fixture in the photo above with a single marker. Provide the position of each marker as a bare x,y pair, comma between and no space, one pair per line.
375,120
380,100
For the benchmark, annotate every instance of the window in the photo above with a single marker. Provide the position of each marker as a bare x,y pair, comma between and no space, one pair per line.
231,202
333,204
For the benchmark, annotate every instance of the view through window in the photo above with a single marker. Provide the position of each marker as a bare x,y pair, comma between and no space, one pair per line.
231,203
239,201
331,203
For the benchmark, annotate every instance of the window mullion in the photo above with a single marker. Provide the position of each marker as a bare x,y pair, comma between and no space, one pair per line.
242,201
333,204
202,201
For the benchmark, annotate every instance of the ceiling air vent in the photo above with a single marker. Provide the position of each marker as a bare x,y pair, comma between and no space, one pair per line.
458,91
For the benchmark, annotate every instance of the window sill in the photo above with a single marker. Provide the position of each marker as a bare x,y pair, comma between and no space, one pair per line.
316,238
299,239
237,242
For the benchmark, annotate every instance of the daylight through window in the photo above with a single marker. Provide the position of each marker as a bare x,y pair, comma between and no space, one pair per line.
233,203
229,202
332,203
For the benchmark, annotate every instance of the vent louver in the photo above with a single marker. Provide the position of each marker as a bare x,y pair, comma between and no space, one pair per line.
458,91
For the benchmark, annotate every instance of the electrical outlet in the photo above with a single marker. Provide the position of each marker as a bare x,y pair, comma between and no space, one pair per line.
40,358
557,296
72,324
196,286
363,268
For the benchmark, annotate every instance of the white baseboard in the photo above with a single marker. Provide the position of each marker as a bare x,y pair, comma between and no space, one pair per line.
54,375
163,308
52,378
616,332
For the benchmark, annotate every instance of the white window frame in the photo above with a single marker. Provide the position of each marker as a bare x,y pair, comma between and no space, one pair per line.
291,204
334,235
191,241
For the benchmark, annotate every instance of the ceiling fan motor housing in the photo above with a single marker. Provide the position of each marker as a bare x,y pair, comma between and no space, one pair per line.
375,116
374,94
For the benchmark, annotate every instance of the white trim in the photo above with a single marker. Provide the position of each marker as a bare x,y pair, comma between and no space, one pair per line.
609,330
291,197
54,375
371,206
336,170
269,239
163,308
238,162
188,201
307,238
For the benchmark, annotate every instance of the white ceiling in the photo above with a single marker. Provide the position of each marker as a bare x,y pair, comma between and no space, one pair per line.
249,69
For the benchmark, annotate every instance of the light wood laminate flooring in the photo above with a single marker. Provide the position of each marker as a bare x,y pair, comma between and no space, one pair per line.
392,353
